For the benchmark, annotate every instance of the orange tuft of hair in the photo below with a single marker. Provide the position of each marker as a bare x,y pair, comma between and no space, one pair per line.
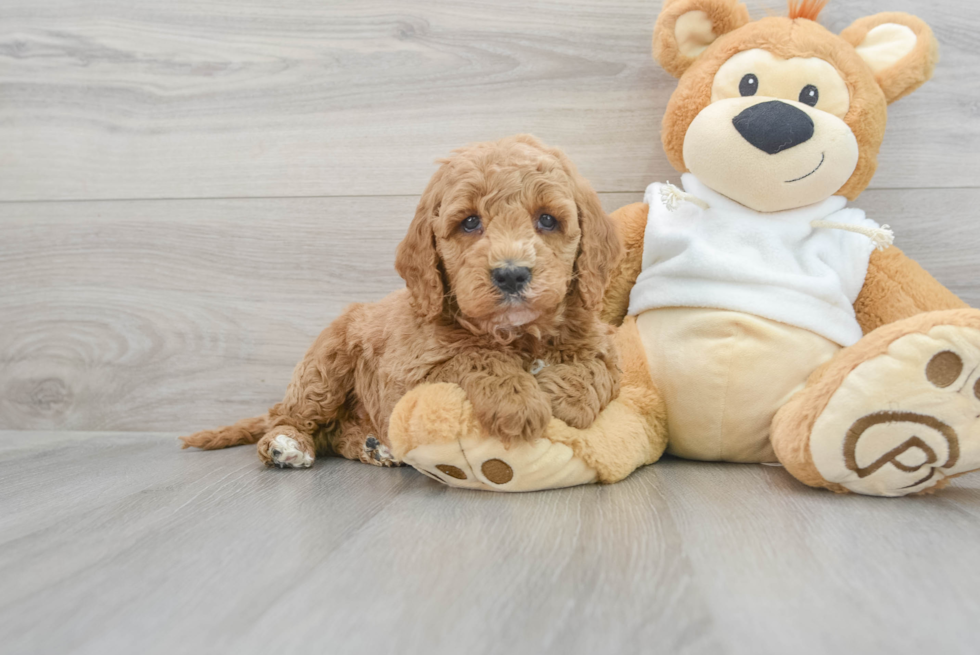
808,9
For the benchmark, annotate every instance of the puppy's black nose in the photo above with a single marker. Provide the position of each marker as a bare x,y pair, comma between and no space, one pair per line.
774,126
511,279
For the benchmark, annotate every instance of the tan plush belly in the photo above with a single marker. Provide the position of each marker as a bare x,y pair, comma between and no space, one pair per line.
724,375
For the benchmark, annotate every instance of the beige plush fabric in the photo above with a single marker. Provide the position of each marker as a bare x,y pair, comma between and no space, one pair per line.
912,69
454,450
794,427
866,443
724,375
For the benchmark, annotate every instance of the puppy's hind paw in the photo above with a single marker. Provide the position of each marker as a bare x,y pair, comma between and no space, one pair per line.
285,452
378,454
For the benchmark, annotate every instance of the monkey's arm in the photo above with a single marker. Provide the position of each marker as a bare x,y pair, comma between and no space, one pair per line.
631,223
895,288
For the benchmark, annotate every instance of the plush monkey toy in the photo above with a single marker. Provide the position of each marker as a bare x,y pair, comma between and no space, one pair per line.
768,321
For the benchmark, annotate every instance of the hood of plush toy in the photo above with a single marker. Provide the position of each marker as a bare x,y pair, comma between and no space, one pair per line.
782,113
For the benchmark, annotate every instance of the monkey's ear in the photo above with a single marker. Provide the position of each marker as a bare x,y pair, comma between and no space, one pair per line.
898,48
686,28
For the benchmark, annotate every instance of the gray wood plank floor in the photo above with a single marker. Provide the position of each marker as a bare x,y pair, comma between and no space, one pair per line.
178,314
205,98
121,543
191,190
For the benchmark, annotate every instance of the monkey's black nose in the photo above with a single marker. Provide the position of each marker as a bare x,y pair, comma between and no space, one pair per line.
511,279
774,126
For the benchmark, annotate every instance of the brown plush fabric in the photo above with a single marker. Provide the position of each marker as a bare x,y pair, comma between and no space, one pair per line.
915,68
786,39
725,15
898,296
896,288
431,413
631,222
793,423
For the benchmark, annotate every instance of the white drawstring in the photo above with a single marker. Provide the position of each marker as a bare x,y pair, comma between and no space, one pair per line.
882,237
672,197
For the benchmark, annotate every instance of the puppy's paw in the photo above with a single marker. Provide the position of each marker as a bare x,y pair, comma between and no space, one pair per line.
283,451
573,399
579,415
512,409
378,454
519,416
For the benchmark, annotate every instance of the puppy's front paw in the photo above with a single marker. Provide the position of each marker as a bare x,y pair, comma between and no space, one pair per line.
578,415
573,400
519,416
283,451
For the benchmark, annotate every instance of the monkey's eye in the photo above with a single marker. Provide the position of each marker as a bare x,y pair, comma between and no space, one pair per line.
547,222
471,224
749,85
810,95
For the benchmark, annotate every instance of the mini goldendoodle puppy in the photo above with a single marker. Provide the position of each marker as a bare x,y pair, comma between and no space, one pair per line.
505,265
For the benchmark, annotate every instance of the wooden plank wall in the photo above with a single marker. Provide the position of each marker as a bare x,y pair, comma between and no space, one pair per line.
190,191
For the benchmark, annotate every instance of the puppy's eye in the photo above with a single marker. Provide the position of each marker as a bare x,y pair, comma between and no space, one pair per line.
471,224
547,222
749,85
810,95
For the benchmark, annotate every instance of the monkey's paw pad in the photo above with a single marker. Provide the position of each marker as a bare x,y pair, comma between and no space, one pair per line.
907,420
482,462
286,453
434,430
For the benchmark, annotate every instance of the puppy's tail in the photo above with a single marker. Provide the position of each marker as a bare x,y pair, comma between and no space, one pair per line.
246,431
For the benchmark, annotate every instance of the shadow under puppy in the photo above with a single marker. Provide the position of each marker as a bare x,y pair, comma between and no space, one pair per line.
505,266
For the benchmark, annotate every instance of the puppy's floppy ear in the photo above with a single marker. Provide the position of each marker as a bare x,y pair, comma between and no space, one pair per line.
900,50
686,28
599,249
417,260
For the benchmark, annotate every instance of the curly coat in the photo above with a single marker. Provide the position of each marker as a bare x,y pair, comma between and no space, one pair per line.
452,324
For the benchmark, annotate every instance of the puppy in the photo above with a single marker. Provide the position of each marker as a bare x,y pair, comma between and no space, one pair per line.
505,267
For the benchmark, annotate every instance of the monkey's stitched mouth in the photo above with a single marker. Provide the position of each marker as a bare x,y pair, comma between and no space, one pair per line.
823,156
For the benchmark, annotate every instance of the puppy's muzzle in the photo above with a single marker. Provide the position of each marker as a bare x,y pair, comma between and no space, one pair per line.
511,280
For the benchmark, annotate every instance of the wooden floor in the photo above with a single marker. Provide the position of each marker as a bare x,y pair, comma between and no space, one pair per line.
191,190
122,543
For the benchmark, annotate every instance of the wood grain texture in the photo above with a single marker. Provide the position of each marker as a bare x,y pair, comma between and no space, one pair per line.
300,134
203,98
179,315
121,543
817,572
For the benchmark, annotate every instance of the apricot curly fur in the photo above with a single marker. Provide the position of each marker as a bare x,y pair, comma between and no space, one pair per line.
451,324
